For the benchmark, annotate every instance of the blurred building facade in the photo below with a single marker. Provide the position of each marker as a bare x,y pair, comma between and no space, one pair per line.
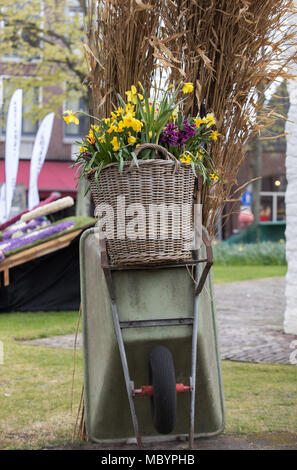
56,174
273,172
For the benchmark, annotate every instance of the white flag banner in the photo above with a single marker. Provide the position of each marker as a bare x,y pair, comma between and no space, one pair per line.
2,203
12,146
40,148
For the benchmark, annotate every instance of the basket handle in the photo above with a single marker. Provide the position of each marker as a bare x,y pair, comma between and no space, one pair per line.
160,149
157,147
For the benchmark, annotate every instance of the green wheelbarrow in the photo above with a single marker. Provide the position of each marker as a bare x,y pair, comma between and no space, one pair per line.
151,356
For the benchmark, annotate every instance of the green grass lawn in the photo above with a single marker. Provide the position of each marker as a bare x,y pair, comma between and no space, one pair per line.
260,397
35,382
244,273
37,324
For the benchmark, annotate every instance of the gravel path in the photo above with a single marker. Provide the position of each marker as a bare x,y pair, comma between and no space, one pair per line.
249,318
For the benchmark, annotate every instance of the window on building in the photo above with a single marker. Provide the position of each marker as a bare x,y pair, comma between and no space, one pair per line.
31,100
272,206
73,7
73,130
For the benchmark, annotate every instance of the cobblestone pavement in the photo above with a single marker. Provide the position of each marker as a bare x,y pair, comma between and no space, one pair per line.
249,319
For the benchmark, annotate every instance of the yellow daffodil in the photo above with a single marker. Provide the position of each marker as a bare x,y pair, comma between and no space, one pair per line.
213,176
117,113
200,154
120,111
111,129
188,87
115,144
91,137
198,121
150,134
120,127
210,119
69,117
136,125
128,119
175,113
131,95
131,139
185,158
214,135
130,109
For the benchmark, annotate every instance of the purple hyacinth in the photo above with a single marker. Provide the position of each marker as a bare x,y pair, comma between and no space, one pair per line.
172,135
185,134
169,135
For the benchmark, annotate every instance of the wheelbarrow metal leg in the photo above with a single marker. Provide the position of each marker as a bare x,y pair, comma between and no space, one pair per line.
194,363
118,332
129,384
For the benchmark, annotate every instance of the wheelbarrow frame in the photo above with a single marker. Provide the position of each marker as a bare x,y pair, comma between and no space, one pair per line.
118,325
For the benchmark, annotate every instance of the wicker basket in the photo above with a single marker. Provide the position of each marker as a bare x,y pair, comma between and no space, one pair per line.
152,183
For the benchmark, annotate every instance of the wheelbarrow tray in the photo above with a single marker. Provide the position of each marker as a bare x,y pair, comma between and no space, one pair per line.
145,295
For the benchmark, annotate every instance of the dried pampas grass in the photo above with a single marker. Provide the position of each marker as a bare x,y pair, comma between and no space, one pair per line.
232,51
117,48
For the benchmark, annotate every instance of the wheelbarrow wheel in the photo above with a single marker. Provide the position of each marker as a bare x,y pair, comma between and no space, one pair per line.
163,401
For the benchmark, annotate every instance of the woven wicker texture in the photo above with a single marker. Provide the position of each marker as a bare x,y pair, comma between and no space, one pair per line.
156,182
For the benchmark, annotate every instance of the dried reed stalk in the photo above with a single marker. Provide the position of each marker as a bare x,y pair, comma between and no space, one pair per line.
228,49
117,48
79,427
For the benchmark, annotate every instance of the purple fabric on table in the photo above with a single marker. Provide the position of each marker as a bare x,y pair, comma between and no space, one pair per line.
32,225
24,240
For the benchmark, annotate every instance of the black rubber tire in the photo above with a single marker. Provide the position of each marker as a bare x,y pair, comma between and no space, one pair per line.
162,377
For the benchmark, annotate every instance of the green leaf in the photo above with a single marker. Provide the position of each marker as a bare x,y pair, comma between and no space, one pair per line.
121,101
87,190
121,164
90,164
135,159
193,168
140,108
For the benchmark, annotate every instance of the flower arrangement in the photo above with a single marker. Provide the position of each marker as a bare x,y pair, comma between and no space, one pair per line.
141,119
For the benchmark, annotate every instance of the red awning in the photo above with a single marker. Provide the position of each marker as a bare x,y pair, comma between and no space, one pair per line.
54,176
